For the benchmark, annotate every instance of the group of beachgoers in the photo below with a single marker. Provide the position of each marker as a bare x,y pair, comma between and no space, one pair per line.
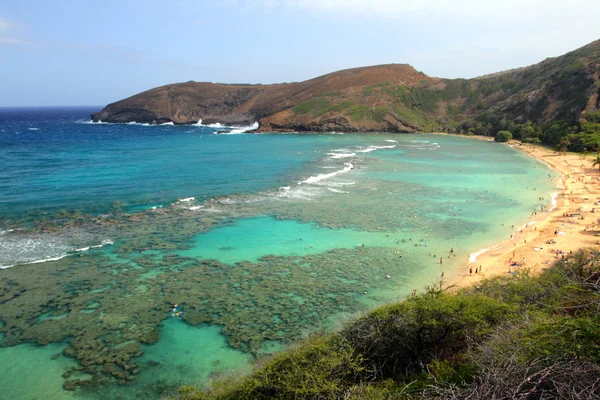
477,270
422,242
569,221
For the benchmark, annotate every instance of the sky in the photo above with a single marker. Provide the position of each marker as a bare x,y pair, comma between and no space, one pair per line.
89,52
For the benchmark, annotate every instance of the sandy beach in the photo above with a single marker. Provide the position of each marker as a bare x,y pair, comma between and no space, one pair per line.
569,222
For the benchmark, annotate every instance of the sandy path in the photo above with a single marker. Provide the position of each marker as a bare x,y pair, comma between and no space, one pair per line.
572,224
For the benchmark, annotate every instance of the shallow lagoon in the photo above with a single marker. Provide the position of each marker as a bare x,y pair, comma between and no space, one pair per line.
254,271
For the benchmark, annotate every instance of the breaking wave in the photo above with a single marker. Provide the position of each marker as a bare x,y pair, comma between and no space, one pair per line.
244,129
38,248
314,179
233,129
369,149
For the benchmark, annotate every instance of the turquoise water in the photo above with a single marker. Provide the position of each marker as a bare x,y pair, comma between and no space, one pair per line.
34,372
223,248
185,354
277,237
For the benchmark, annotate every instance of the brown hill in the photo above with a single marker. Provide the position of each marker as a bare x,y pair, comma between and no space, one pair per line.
394,98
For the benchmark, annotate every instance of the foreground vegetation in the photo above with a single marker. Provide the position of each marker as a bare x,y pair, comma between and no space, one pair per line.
522,336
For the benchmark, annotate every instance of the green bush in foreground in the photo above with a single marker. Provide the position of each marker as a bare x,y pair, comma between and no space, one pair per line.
509,337
320,367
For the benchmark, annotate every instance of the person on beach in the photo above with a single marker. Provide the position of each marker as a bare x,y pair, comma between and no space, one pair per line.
470,271
441,260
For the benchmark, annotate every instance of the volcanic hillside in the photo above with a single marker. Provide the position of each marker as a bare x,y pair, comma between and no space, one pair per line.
386,98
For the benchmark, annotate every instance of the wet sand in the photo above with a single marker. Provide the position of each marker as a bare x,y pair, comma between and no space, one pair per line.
566,227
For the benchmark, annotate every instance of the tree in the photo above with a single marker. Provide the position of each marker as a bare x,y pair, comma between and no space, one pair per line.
486,129
563,145
503,136
597,161
554,132
527,130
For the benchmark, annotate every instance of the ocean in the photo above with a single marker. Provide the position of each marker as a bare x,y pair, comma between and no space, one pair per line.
135,259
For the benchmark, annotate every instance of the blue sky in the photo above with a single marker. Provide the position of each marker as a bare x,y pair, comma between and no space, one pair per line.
87,52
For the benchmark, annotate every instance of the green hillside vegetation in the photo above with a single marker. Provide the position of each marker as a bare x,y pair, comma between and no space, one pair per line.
554,102
509,337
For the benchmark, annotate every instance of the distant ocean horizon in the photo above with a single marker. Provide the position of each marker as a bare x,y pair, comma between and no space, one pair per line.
139,258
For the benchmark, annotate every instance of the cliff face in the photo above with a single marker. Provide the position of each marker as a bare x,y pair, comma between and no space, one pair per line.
392,98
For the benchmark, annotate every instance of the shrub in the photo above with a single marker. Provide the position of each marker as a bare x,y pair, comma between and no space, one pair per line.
403,337
319,368
503,136
316,107
380,113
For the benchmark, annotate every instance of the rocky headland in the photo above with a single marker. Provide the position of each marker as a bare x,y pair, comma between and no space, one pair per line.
382,98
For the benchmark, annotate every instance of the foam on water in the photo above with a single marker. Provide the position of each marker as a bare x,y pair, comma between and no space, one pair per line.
369,149
300,192
138,123
35,248
341,155
554,204
337,190
473,256
244,129
314,179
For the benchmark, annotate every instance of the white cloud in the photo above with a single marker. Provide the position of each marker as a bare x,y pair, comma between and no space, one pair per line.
9,34
12,40
5,24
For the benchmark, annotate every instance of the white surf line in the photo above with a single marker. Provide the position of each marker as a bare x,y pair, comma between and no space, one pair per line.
553,200
314,179
105,242
473,256
341,155
369,149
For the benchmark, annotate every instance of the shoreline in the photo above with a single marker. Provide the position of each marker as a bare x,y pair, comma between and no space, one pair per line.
567,225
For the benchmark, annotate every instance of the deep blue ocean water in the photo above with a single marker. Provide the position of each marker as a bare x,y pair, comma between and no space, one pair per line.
55,159
223,245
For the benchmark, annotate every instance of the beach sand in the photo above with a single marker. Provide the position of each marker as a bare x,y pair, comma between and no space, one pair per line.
566,226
